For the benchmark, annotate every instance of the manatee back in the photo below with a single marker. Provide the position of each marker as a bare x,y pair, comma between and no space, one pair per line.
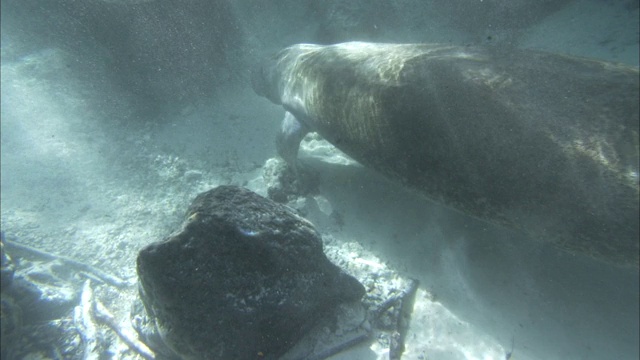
541,142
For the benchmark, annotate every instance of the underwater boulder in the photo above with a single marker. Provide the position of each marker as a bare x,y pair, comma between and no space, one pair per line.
244,278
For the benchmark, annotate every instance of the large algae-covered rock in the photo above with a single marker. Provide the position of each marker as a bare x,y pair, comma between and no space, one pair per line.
245,278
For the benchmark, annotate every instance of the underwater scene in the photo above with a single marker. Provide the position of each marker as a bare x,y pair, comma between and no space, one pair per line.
309,180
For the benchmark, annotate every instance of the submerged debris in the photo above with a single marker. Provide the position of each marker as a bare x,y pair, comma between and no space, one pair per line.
75,264
48,313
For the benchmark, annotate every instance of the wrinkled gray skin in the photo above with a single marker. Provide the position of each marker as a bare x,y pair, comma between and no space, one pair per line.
541,142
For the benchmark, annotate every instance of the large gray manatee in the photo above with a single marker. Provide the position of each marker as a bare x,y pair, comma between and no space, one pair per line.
541,142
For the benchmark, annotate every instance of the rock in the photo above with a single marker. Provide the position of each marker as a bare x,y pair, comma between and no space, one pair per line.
279,179
286,184
245,278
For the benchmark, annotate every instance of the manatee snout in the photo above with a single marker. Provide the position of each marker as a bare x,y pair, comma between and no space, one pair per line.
264,82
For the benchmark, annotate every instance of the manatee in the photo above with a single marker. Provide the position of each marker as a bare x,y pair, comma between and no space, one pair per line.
544,143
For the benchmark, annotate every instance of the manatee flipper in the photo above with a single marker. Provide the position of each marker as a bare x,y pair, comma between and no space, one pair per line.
292,179
288,140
